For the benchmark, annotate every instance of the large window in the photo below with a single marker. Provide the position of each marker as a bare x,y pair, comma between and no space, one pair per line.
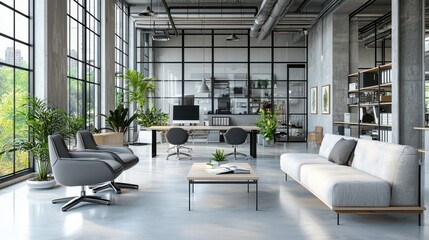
83,43
15,81
121,49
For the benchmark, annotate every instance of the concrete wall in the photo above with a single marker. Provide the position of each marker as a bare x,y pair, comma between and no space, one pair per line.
320,68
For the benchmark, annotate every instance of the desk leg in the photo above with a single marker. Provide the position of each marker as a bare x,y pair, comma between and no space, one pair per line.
256,195
253,143
154,143
189,196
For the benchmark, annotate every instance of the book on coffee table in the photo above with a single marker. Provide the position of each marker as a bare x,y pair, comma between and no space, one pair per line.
226,168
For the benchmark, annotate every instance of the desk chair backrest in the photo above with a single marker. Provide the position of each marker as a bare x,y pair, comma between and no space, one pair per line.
235,136
85,140
177,136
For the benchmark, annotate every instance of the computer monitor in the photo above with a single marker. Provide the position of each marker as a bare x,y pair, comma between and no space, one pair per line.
186,114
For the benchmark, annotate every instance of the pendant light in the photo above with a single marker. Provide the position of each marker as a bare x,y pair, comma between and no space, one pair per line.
204,88
233,38
148,12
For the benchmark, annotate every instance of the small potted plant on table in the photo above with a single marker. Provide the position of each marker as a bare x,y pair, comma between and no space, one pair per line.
218,157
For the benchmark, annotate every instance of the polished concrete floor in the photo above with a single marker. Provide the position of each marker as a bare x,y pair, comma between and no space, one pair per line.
159,209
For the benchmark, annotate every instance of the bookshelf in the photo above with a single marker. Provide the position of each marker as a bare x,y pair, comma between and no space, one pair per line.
370,104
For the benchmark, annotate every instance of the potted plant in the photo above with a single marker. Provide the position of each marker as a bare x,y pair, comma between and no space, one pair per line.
42,121
267,126
118,123
218,157
139,87
151,117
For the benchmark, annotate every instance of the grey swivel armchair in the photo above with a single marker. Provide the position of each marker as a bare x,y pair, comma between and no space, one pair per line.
177,137
80,169
124,155
235,136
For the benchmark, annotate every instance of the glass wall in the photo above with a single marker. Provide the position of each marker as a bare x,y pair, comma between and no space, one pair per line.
121,49
83,52
16,77
242,76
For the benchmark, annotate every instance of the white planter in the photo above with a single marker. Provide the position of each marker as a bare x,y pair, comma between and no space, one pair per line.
33,184
145,136
268,144
260,139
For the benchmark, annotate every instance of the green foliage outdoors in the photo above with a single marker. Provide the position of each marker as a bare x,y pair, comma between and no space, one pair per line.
219,155
12,99
268,124
42,121
118,120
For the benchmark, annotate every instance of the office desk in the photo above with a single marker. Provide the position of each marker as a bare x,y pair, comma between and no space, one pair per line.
252,129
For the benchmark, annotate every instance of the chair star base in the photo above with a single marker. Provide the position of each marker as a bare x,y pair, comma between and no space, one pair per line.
73,201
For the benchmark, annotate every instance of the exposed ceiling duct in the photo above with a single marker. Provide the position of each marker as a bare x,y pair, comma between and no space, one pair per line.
270,13
279,10
261,17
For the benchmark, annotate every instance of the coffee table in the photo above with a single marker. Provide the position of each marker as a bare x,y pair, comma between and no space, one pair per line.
200,174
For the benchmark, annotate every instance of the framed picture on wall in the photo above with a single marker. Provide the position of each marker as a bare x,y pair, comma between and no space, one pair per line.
326,99
313,100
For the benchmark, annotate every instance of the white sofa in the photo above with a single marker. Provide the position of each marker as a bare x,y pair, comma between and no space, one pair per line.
383,177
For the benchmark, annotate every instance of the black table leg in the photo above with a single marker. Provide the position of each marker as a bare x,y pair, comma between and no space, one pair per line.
253,143
189,196
256,195
153,143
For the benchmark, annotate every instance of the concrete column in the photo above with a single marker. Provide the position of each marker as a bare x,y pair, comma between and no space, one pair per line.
50,65
354,45
407,71
107,56
340,71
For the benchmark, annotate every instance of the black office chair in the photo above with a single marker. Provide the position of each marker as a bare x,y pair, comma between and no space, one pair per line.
235,136
124,155
177,137
80,168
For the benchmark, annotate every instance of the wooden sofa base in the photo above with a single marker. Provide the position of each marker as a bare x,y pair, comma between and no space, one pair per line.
369,210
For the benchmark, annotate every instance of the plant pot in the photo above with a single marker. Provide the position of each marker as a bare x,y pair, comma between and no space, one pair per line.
268,143
217,164
109,138
145,136
34,184
260,139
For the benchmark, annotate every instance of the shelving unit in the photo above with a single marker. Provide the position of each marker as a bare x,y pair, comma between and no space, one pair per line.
370,104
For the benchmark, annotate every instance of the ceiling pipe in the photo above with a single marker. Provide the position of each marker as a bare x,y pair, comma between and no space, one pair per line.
279,11
261,17
169,17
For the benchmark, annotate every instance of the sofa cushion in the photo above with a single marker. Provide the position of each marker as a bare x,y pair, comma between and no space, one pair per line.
341,186
291,163
396,164
341,151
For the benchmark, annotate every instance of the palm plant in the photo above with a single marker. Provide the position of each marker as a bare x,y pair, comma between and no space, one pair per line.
139,87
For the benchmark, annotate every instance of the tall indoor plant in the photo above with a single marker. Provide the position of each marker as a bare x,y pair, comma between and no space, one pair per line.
42,121
267,125
138,88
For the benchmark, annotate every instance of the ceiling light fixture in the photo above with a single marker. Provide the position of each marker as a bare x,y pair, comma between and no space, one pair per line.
148,12
233,38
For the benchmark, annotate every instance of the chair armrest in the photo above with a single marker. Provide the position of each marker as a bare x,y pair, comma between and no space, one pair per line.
93,154
117,149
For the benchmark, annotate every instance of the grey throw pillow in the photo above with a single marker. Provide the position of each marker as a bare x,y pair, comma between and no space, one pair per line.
341,151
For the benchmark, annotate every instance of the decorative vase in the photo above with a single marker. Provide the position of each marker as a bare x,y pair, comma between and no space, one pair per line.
35,184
